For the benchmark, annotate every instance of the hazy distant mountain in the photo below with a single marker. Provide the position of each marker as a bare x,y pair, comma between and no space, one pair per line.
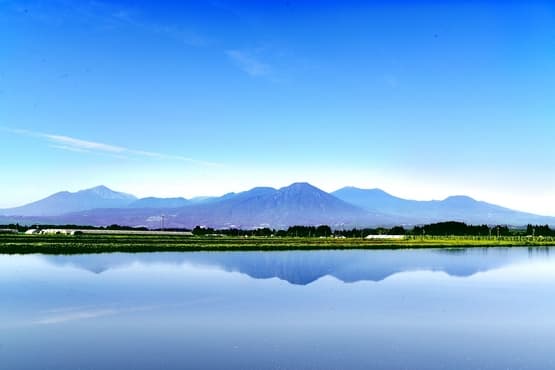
152,202
455,208
297,204
374,199
208,199
66,202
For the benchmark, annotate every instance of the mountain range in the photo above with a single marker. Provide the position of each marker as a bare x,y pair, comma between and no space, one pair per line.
66,202
296,204
302,268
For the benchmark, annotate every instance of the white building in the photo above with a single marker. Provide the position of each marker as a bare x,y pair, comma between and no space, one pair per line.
55,231
383,237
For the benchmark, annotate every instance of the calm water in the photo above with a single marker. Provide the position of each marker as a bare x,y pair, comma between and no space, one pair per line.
426,309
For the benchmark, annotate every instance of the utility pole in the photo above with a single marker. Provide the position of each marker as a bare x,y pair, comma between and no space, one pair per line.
162,222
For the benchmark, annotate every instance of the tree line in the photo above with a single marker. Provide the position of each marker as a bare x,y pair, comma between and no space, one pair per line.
450,228
23,228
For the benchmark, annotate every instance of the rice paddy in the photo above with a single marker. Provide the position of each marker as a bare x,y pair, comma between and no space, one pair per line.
102,243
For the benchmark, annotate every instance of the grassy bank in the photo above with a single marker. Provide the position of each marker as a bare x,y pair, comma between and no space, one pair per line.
64,244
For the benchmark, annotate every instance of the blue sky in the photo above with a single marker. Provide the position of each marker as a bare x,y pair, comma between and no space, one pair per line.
422,99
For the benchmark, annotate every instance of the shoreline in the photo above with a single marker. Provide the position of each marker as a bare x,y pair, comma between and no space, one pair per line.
127,243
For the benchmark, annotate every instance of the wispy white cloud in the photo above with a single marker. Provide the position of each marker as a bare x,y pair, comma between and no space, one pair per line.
69,143
66,314
69,148
65,309
248,63
74,143
61,315
77,315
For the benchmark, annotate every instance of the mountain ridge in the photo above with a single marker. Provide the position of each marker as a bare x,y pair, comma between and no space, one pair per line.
66,202
452,208
299,203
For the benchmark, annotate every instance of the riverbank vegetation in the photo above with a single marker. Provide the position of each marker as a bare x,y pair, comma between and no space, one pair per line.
100,243
451,228
439,235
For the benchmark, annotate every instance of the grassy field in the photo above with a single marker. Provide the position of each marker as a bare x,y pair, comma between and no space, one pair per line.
64,244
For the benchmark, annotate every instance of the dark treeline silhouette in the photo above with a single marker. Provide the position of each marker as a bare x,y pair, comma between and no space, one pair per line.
300,231
361,233
202,231
23,228
461,229
308,231
539,230
450,228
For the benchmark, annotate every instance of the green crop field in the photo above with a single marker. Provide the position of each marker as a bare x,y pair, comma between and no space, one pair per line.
99,243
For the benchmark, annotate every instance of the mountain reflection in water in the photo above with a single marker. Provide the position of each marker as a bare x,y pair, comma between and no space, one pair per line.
421,309
305,267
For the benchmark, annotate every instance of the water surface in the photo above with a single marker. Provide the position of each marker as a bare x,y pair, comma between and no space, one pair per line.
421,309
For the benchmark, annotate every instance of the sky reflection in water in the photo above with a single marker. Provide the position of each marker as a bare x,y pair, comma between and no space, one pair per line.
424,309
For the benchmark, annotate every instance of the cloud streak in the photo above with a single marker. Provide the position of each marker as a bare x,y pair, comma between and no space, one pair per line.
71,142
79,315
67,314
76,145
83,313
248,63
